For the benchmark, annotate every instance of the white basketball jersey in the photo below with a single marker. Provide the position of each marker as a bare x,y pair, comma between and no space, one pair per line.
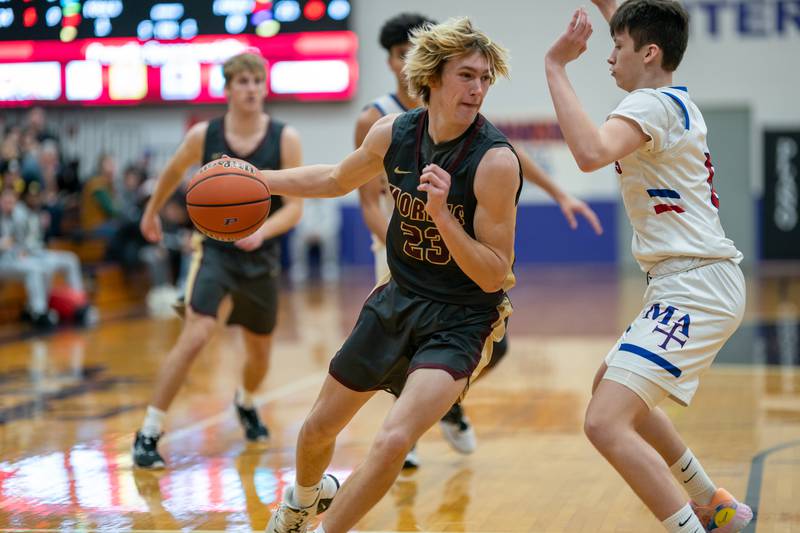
386,105
667,185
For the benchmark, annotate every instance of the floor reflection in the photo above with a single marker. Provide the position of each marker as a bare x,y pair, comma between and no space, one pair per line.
99,486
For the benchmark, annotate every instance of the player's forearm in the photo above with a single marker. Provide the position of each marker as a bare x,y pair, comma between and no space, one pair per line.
607,8
312,181
479,262
166,184
580,133
282,220
539,177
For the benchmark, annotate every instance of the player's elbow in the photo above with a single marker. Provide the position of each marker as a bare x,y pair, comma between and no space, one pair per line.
495,281
338,188
589,162
493,285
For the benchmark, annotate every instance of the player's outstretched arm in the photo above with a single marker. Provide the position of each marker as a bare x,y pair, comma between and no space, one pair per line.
370,193
592,147
189,153
607,8
487,258
290,213
570,206
329,181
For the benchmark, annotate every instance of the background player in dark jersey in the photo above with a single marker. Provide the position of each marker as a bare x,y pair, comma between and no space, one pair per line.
246,270
428,331
377,204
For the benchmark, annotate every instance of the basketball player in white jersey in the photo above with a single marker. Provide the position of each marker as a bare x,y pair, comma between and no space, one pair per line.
695,299
377,203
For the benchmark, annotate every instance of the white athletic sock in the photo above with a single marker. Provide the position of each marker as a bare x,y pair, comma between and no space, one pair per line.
306,496
153,422
684,521
244,398
690,474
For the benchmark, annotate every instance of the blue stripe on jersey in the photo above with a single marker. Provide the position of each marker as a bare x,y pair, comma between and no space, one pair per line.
650,356
663,193
379,108
396,99
680,103
680,88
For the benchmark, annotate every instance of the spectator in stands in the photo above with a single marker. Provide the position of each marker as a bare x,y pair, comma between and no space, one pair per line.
131,197
47,173
127,243
23,256
98,211
9,147
168,260
36,123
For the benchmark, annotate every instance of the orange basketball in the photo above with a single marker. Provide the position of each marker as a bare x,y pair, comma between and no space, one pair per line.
227,199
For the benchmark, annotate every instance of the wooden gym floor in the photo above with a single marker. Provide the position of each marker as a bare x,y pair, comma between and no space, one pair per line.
71,401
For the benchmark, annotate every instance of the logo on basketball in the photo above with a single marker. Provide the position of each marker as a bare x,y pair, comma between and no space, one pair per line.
230,220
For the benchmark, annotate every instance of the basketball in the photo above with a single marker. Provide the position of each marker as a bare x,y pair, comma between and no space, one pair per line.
227,199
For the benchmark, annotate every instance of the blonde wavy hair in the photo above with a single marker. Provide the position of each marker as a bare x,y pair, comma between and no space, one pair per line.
434,45
244,62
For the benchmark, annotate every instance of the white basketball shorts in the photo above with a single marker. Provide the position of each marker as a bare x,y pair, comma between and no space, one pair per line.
686,318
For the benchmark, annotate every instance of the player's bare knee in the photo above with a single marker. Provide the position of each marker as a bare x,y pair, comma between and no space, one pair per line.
393,444
599,427
197,330
258,352
318,429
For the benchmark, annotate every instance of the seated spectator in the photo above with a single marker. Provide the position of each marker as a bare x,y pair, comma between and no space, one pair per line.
169,259
46,172
36,123
98,210
23,256
126,244
9,147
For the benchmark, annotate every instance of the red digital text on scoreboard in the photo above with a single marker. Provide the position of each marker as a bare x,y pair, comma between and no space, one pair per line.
127,71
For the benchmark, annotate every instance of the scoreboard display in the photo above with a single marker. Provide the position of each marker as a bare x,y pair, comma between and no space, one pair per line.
126,52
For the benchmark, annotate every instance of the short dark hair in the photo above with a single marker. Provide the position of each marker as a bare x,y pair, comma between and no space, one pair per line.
397,30
661,22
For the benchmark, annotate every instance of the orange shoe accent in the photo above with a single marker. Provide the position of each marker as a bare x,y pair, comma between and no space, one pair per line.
724,514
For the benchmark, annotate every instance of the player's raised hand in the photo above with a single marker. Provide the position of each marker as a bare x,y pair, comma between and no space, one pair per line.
436,182
150,226
572,207
606,7
573,42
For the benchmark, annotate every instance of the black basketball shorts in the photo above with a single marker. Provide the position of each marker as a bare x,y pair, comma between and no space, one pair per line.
215,273
398,332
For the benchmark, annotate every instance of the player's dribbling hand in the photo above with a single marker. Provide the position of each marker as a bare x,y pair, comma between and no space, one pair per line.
572,42
150,226
251,242
436,182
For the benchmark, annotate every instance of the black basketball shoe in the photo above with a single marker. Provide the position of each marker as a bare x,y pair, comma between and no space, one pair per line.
145,452
254,429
